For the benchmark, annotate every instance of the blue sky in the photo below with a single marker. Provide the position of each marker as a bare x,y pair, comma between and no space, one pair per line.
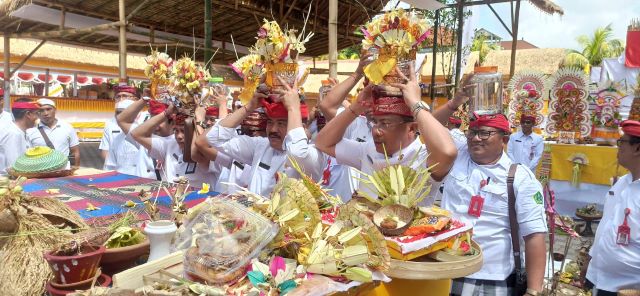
581,17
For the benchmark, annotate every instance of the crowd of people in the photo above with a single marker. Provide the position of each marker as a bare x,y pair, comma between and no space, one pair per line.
472,174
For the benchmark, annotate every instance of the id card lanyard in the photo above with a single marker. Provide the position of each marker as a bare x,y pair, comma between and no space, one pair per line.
477,201
624,231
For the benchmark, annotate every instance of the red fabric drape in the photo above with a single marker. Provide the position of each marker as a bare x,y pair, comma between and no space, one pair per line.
97,80
65,79
26,76
83,79
632,53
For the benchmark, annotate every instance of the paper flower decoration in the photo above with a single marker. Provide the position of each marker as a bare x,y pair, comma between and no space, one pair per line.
276,46
158,70
278,278
397,35
204,189
250,68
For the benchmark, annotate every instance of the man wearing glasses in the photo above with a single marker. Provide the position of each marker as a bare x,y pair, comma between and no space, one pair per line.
615,263
396,124
525,147
476,189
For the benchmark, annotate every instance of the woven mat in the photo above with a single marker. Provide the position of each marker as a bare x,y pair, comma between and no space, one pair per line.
109,192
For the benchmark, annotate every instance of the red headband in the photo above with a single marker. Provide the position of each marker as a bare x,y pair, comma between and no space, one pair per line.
498,121
455,120
524,117
279,111
631,128
125,88
156,107
213,111
25,106
179,118
391,105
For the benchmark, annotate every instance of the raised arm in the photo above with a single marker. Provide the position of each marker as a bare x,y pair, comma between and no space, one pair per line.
333,132
333,101
128,115
143,133
461,96
197,154
234,119
442,150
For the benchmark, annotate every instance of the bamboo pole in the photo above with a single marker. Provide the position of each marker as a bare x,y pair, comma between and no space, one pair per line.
432,89
123,42
459,47
514,43
208,34
75,85
46,82
7,73
333,38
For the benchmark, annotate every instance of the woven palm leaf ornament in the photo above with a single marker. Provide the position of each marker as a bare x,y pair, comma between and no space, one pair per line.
568,105
527,94
579,160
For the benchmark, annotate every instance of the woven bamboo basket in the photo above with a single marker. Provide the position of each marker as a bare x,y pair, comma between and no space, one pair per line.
41,175
425,268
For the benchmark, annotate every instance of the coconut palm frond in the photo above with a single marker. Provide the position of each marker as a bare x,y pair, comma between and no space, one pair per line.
575,59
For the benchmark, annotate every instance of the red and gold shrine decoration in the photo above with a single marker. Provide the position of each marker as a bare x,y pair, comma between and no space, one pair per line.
632,51
527,94
568,106
606,115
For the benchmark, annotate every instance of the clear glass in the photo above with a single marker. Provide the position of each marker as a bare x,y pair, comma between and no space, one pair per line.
486,98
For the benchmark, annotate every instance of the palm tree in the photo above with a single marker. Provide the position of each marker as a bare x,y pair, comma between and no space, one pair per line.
594,49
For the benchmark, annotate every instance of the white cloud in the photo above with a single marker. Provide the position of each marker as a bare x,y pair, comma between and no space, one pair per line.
581,17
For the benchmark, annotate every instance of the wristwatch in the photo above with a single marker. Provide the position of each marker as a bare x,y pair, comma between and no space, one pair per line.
202,124
532,292
420,105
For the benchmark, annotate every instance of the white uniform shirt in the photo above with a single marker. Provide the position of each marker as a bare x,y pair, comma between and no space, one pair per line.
458,137
265,161
168,150
13,144
359,130
5,118
614,267
364,157
525,149
62,135
123,155
340,180
111,129
491,230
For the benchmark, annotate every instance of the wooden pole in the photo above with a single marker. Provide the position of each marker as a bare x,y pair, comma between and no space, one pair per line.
46,82
75,84
459,47
123,42
333,38
7,73
208,33
434,49
514,43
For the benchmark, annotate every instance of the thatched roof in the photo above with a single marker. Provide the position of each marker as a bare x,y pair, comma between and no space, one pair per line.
548,6
545,60
185,19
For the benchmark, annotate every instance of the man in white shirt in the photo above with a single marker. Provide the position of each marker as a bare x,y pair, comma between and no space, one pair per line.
476,189
525,146
171,150
268,156
55,133
615,254
5,117
13,138
396,123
